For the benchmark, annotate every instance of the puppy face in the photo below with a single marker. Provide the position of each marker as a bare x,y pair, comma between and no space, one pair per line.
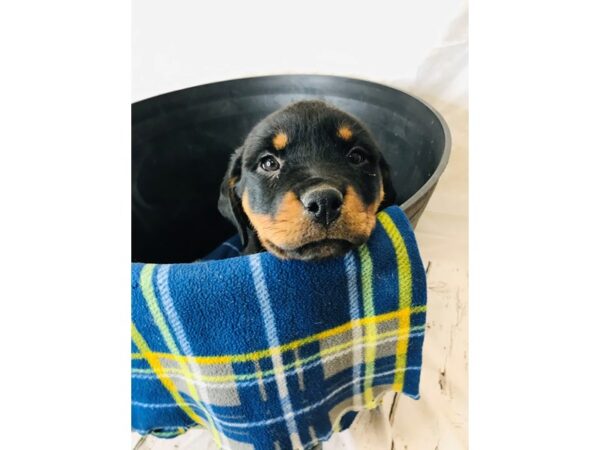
307,183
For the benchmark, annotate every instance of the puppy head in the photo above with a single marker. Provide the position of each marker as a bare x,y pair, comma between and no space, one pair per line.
308,182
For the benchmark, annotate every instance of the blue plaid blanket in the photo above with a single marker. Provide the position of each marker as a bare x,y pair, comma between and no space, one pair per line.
272,354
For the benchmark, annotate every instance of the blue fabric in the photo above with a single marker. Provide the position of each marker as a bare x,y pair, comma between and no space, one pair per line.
277,354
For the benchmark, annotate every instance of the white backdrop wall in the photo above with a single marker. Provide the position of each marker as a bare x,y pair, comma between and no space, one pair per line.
183,43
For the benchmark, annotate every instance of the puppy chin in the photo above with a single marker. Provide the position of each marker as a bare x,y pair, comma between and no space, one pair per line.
316,250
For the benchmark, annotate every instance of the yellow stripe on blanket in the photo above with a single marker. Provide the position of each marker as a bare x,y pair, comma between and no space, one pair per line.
405,289
266,353
366,269
298,364
169,385
159,320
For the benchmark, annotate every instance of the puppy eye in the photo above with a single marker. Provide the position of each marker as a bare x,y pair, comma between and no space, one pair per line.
357,156
269,163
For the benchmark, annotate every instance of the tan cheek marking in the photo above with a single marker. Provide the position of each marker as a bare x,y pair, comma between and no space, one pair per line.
287,229
280,140
373,207
290,227
381,195
345,132
358,219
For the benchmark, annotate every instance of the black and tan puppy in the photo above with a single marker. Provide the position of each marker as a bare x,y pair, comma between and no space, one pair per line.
306,184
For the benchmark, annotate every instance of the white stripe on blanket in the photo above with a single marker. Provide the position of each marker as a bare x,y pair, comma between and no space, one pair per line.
270,327
162,280
293,414
270,378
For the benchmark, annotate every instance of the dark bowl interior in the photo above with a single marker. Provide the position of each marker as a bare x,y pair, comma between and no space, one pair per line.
181,142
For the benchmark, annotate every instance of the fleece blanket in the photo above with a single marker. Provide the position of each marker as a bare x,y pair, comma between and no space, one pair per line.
272,354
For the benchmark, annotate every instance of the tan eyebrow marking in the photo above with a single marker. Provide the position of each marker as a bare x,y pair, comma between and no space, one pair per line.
280,140
344,132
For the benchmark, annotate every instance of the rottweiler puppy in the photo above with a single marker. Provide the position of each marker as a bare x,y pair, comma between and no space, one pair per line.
306,184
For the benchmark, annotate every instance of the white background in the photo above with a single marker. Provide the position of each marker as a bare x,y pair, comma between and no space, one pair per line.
184,43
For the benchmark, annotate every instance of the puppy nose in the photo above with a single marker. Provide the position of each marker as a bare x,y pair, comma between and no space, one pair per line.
323,204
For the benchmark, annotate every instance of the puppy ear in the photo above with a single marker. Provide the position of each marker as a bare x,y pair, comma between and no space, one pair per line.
230,203
390,197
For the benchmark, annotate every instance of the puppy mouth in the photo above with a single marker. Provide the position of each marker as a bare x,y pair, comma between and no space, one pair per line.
320,249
